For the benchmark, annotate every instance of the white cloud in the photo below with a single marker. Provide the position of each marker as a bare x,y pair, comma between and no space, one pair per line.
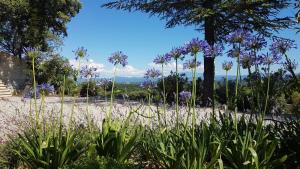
104,71
129,70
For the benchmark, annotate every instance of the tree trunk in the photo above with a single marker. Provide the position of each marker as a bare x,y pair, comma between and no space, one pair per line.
209,66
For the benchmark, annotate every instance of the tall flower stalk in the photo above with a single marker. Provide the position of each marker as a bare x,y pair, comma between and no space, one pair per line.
194,47
149,85
193,64
227,66
151,75
33,55
177,53
238,39
212,51
80,53
163,60
117,58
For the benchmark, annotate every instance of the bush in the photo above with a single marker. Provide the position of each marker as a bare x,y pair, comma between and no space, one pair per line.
170,86
93,89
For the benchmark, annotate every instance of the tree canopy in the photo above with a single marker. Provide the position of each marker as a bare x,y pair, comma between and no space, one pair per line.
260,15
26,24
216,18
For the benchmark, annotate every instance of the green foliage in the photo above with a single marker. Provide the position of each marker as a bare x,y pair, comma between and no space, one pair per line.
296,101
170,86
99,163
289,135
250,146
89,88
180,150
53,70
27,24
8,159
117,141
48,149
130,91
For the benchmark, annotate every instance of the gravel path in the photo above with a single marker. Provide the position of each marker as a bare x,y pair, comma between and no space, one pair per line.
15,112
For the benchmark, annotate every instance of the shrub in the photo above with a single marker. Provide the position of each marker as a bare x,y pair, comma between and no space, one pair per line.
170,85
89,87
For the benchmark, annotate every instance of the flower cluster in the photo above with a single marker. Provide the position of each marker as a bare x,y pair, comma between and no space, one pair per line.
248,59
44,88
88,72
267,59
213,50
148,84
162,59
227,65
178,52
240,36
236,52
280,46
104,82
118,58
191,64
256,43
195,46
185,95
80,53
152,73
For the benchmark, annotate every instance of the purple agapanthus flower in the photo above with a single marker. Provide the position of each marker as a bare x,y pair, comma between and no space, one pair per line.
240,36
178,52
152,73
185,95
213,50
118,58
256,43
80,53
104,82
148,84
280,46
88,72
190,64
267,59
247,60
195,46
227,65
236,52
30,94
162,59
46,87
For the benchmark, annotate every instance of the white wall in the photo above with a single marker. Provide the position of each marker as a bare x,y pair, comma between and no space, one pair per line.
12,71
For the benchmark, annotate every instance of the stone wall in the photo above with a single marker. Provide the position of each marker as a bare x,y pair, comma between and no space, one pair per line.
12,71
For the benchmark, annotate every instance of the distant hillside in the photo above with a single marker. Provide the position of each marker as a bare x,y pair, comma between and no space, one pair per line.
138,80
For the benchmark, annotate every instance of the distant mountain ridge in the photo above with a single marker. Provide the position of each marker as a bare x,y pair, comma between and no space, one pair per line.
138,80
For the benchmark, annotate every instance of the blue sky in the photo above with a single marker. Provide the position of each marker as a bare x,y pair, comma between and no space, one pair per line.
103,31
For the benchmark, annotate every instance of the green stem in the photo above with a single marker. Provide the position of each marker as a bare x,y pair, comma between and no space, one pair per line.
268,88
35,94
74,101
290,67
149,109
194,98
236,90
62,108
164,92
112,97
177,97
226,83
